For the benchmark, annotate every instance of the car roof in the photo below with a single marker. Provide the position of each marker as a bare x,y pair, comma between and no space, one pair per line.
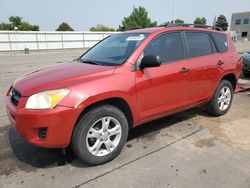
145,30
174,28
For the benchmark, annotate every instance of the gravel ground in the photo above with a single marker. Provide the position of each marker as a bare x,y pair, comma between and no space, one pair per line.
188,149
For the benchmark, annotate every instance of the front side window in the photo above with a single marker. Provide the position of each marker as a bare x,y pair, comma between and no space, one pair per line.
114,50
246,21
167,46
199,44
238,22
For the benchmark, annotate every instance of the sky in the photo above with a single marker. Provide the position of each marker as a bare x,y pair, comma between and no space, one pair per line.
83,14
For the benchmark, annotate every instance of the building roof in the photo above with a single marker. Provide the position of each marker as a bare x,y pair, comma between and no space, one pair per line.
241,13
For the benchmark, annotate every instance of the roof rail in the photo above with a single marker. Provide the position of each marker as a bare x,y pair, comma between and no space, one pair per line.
196,26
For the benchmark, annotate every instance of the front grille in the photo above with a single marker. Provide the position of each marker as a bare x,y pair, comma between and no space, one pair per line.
42,133
15,96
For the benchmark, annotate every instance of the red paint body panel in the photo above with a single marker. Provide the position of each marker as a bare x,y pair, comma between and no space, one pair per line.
58,76
150,93
204,73
59,122
160,90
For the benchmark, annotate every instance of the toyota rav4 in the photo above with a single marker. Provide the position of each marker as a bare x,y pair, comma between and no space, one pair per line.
123,81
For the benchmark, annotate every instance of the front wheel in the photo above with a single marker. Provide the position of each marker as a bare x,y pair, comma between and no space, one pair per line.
222,99
100,135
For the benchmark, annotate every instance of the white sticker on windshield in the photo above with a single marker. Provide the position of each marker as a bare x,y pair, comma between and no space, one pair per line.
135,38
225,43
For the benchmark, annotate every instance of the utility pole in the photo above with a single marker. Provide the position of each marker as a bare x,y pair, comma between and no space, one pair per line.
173,11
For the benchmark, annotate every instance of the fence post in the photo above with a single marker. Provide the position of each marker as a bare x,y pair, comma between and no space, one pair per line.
8,33
83,40
46,40
37,44
62,40
16,40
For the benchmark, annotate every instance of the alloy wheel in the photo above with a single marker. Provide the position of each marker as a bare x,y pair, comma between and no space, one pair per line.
224,98
104,136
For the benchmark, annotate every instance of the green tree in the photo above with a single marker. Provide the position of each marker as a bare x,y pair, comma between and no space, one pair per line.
5,26
16,22
36,28
177,21
165,24
25,26
101,27
222,22
64,27
201,21
136,20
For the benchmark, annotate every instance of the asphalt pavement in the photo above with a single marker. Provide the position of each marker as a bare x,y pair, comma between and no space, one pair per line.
189,149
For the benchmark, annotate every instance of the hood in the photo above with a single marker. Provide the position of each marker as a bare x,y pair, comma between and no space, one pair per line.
60,76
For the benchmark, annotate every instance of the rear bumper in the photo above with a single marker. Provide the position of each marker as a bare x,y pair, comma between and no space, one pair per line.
59,122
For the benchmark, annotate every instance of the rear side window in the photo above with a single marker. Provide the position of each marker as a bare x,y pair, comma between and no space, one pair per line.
167,46
221,42
199,44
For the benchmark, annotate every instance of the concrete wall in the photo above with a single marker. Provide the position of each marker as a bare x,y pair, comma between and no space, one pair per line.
48,40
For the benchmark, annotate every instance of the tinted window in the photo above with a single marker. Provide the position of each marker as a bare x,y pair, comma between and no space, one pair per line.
246,21
199,44
221,42
238,22
168,47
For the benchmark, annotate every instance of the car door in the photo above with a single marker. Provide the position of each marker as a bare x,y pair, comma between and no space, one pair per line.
205,65
164,88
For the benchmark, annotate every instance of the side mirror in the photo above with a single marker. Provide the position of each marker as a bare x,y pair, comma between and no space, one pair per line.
150,61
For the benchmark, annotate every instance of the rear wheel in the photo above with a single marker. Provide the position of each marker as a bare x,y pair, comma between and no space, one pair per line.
222,99
246,73
100,135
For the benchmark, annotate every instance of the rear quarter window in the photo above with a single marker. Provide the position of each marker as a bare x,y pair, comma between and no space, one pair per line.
221,42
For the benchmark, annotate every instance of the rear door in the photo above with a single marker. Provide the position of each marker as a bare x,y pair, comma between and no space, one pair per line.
164,88
205,65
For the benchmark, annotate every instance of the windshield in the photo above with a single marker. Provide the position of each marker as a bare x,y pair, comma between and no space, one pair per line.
114,50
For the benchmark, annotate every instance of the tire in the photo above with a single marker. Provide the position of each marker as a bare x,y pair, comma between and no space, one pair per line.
246,74
215,107
97,148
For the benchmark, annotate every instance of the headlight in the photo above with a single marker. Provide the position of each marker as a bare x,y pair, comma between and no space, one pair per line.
46,99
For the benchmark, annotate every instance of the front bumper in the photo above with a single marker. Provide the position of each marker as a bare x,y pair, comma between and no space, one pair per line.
59,122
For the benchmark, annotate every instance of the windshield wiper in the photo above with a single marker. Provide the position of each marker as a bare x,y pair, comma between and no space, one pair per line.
88,62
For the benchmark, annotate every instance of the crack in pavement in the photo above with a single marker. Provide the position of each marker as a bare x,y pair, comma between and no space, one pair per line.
138,158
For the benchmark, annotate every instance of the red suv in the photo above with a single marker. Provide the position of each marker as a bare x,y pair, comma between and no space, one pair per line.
125,80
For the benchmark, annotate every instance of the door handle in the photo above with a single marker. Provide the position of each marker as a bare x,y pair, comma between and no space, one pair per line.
220,63
184,70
